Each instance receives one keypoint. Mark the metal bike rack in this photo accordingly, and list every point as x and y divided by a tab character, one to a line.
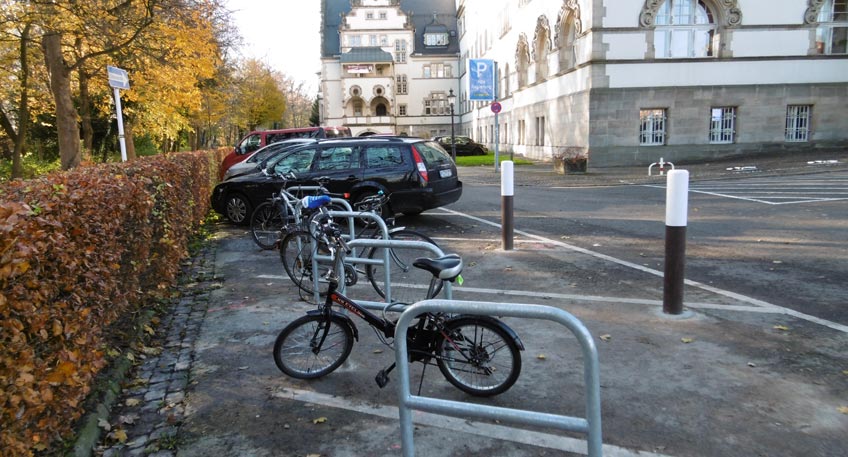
400	244
662	163
383	242
591	425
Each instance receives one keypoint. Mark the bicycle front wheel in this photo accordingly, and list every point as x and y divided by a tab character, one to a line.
408	284
478	356
296	254
266	225
313	346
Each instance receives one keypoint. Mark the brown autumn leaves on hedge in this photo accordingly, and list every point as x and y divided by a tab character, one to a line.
78	251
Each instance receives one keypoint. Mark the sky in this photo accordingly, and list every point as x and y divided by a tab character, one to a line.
284	34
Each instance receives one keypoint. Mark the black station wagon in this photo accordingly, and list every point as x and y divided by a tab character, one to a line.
416	174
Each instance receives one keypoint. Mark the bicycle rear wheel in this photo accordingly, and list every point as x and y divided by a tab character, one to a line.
477	356
296	254
313	346
408	284
266	225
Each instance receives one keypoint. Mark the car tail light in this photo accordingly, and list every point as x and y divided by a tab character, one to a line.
422	168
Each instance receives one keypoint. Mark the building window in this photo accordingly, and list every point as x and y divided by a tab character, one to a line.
832	32
401	110
723	125
436	39
522	54
521	132
684	28
357	108
437	70
355	41
436	104
384	40
383	15
652	128
540	131
400	51
503	21
402	85
369	15
523	2
798	123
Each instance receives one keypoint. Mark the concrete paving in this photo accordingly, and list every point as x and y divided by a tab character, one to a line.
732	377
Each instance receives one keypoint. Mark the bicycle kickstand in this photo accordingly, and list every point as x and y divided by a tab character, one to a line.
382	377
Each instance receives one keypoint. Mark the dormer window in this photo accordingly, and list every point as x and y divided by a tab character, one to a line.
436	34
436	39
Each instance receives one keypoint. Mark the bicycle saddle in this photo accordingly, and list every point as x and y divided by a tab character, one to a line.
446	268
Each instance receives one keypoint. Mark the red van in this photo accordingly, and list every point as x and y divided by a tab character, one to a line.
255	140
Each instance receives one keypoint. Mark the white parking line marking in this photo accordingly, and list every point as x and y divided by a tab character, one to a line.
715	290
502	432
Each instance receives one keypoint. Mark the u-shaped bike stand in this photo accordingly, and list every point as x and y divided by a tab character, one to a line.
591	425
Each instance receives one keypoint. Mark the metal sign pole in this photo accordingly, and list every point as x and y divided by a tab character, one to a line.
121	138
118	79
497	129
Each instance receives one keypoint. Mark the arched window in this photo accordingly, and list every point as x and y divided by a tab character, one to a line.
567	39
522	60
542	47
382	110
684	28
832	30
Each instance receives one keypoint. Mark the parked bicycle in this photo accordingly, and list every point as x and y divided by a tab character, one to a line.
477	354
408	283
280	214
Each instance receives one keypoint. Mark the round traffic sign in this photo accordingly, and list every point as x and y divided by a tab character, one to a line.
496	107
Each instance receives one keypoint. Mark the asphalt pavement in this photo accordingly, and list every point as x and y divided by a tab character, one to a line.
712	382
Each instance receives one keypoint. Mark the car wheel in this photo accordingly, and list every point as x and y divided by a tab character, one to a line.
479	152
238	209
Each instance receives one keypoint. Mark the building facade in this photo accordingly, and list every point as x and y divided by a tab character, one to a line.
388	65
625	82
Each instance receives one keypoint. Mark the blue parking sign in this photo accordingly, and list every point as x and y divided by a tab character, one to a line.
481	80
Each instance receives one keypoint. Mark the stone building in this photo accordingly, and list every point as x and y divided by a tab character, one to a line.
630	81
388	65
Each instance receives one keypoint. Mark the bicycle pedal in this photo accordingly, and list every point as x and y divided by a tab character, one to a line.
382	379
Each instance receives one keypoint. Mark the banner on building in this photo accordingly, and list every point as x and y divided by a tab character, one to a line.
359	68
481	79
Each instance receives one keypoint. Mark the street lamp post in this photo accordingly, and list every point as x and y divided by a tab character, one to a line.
451	101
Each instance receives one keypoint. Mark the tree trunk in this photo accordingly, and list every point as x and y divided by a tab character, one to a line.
85	117
66	115
128	139
23	107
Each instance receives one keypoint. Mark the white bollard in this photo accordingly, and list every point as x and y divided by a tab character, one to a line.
507	194
676	210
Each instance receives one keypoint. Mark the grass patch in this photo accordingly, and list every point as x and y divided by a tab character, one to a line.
488	159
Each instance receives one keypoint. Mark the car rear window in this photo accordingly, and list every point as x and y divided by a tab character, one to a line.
432	153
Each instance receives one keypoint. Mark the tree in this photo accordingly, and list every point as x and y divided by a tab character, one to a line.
15	120
259	100
315	116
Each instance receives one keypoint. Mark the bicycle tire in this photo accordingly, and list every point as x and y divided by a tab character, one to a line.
296	255
266	225
407	281
294	349
489	361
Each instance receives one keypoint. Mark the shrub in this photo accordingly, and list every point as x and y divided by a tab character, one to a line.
80	250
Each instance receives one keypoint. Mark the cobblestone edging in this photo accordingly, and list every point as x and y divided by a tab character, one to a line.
151	405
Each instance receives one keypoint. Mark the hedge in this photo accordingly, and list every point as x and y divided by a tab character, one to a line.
79	251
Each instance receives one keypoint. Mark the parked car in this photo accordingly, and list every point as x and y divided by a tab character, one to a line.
259	159
417	175
465	146
261	138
